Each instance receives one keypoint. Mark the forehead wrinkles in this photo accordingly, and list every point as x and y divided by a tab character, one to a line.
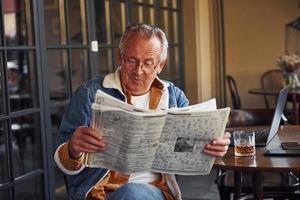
144	47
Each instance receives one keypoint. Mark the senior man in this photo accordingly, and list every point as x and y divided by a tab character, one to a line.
142	55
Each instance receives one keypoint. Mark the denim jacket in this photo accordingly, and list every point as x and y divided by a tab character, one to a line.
78	114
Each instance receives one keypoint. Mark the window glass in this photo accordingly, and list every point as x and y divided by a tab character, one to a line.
80	67
105	58
102	20
55	22
56	117
136	13
26	135
58	74
174	62
142	14
164	22
4	194
77	22
3	155
18	22
30	188
21	76
2	88
168	3
118	15
173	27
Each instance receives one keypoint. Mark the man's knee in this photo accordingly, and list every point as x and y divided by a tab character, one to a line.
135	191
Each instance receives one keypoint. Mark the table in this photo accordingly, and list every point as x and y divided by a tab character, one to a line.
260	163
293	96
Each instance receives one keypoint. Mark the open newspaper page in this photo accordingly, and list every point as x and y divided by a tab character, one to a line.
131	138
183	139
166	141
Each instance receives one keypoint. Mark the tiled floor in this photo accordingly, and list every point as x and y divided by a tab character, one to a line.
199	187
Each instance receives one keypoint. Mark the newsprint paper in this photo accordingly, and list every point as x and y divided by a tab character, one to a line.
169	141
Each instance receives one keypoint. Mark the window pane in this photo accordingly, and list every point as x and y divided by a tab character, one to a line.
105	61
168	3
58	74
150	2
141	14
4	194
77	19
56	117
149	15
136	14
55	22
32	188
3	154
26	134
80	67
118	24
173	27
2	89
21	79
164	21
18	22
174	62
102	19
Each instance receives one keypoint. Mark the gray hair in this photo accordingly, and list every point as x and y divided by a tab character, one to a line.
145	30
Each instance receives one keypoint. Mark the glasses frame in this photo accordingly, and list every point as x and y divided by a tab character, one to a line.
132	66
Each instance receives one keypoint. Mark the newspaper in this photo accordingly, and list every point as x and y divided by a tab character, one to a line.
169	141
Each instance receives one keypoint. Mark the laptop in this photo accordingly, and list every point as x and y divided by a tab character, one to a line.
264	137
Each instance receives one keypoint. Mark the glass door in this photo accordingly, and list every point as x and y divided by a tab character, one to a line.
22	167
68	64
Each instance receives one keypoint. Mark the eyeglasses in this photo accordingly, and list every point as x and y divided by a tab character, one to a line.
147	66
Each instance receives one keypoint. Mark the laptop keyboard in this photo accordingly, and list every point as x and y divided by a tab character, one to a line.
261	136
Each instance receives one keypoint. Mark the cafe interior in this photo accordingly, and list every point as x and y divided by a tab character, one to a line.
241	52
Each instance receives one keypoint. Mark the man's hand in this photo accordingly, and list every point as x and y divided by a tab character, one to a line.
219	146
85	140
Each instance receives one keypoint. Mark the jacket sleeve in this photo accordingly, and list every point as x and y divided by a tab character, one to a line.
177	97
77	114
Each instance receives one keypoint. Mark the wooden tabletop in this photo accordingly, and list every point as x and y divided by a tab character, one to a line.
272	91
260	162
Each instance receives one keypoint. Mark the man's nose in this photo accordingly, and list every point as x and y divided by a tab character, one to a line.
139	68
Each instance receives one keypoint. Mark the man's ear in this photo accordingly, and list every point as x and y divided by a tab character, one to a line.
161	66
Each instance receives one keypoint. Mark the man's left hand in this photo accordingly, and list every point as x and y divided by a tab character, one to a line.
219	146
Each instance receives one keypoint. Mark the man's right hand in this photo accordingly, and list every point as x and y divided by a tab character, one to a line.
85	140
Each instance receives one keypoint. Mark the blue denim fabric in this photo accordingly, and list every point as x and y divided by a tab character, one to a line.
78	114
136	191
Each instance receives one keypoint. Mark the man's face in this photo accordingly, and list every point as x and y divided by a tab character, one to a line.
140	61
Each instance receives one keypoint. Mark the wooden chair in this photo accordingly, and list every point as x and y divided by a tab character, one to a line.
235	97
271	79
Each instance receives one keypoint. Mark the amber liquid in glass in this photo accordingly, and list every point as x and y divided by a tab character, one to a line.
244	150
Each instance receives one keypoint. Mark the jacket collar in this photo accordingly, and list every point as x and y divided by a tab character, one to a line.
113	80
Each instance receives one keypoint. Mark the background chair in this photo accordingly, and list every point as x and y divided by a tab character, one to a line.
271	79
235	97
273	182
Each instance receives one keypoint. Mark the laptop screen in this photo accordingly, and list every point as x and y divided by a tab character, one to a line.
278	112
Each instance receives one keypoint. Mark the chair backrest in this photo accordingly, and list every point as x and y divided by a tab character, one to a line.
271	79
235	97
250	117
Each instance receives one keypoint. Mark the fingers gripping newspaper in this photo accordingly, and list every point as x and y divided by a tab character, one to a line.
170	141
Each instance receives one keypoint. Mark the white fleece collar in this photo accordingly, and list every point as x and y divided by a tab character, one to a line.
113	80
